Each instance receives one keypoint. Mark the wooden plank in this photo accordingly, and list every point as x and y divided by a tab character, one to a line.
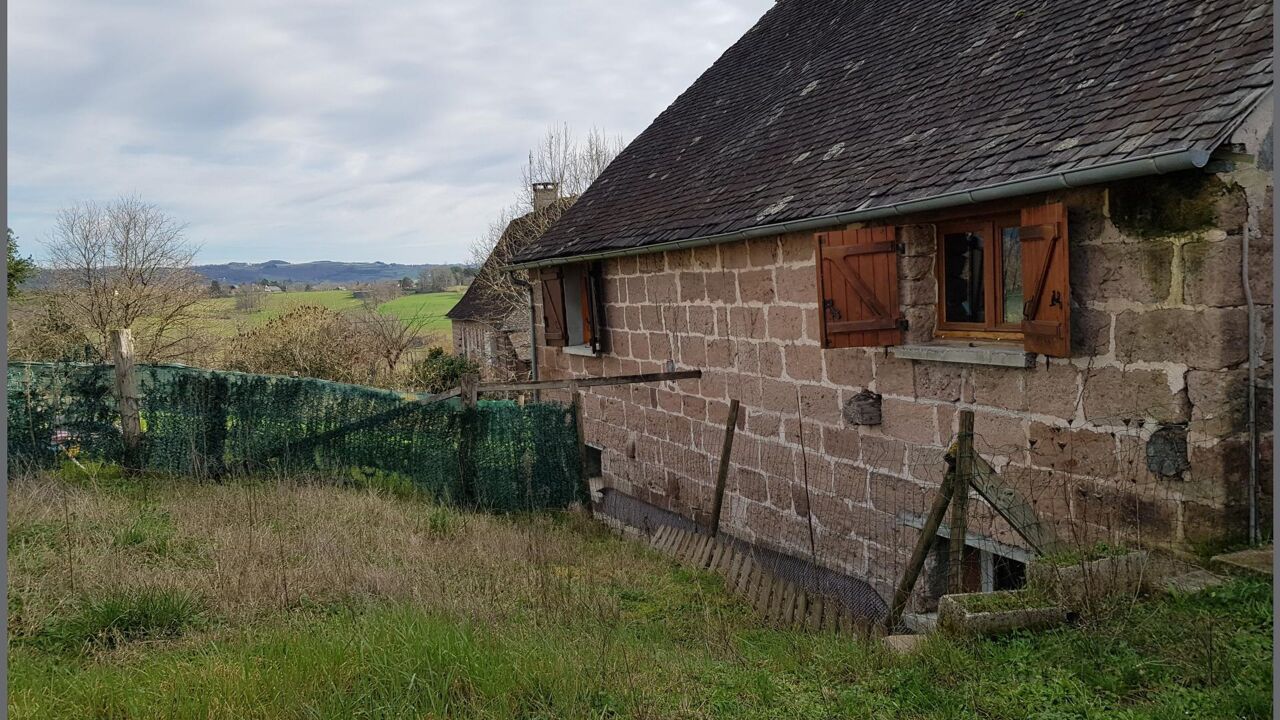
1013	508
789	604
960	502
765	584
815	613
802	608
590	381
741	584
655	540
775	599
722	473
921	552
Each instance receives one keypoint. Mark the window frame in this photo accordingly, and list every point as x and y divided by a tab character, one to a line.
990	226
584	283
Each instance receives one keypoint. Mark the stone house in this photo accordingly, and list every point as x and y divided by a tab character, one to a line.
488	324
1043	215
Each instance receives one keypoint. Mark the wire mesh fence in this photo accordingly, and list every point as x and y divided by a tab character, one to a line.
497	455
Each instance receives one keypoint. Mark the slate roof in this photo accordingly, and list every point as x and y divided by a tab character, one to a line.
830	106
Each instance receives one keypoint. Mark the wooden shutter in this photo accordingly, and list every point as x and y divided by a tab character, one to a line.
553	307
1046	281
858	278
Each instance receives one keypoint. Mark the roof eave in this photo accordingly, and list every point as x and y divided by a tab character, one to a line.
1156	164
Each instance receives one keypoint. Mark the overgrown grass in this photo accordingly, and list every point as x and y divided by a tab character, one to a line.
305	600
220	316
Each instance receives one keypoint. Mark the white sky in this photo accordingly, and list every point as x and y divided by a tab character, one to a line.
388	130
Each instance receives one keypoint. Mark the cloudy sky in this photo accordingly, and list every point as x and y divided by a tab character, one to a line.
388	130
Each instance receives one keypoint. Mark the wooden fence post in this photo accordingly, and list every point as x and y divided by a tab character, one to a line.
722	474
960	502
921	552
126	392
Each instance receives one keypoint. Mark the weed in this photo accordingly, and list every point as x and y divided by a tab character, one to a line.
120	616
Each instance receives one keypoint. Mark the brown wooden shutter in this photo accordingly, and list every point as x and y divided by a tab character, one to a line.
1046	281
553	307
858	277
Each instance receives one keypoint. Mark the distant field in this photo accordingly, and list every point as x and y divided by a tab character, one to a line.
222	317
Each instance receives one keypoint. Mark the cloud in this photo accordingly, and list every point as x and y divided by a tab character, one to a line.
379	130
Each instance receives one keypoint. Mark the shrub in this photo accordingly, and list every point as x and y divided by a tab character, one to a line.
440	371
309	341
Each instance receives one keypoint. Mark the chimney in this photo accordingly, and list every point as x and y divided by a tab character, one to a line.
544	194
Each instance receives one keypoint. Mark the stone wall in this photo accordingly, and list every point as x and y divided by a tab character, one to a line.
1159	351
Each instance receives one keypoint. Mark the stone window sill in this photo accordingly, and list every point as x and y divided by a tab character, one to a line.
583	350
968	353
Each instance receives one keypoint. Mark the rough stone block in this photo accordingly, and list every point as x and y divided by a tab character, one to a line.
803	362
1139	271
1219	401
841	442
938	381
734	255
1211	271
1090	331
1114	397
798	248
1051	391
894	376
848	367
785	323
1076	451
884	454
763	252
797	285
693	286
910	421
1205	339
756	286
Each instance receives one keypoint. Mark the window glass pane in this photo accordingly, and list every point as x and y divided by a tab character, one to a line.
962	262
1011	262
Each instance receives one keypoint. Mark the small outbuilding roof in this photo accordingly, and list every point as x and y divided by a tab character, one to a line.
828	107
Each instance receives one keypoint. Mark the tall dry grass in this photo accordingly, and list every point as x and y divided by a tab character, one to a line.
251	551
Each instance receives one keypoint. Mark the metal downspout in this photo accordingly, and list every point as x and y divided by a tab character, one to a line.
1254	534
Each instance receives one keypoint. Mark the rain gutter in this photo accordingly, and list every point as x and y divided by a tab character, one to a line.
1157	164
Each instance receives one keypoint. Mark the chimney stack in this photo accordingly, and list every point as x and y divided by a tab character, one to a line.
544	194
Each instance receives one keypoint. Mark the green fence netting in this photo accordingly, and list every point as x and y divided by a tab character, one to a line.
211	424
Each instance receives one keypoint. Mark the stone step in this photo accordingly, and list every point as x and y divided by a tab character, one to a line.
903	644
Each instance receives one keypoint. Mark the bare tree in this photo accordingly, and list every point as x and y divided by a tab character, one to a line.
126	264
558	158
389	337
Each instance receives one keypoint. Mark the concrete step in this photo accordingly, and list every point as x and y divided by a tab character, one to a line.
1192	582
903	644
920	623
1254	562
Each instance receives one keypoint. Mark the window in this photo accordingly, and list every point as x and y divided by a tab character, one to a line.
999	277
980	278
573	306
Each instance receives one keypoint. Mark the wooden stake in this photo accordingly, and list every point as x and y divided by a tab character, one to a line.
722	475
960	502
126	391
921	552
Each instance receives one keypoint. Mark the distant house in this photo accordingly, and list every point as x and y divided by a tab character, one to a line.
271	289
867	217
489	327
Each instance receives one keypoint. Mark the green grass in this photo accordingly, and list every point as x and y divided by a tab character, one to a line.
223	319
382	605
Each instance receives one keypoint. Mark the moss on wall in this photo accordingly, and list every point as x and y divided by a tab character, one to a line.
1168	204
